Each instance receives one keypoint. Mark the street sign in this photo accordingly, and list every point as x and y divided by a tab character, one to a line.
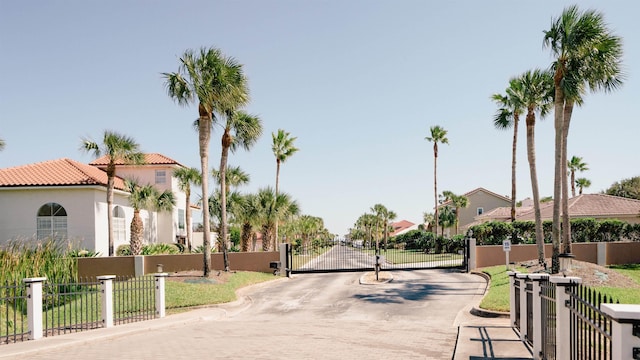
506	245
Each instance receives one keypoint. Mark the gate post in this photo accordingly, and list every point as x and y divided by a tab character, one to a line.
625	339
523	305
512	298
106	285
285	249
471	251
563	314
34	306
536	337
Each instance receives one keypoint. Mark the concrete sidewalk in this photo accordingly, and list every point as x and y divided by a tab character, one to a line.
490	338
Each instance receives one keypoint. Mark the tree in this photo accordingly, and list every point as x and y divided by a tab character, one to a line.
234	176
508	116
447	217
186	177
628	188
459	202
428	218
118	149
535	90
384	215
240	130
582	183
575	164
587	55
246	213
216	83
272	208
2	144
283	148
149	198
438	135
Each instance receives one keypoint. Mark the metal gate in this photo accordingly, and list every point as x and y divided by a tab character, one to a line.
344	256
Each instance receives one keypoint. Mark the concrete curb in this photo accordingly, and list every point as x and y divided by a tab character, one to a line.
477	311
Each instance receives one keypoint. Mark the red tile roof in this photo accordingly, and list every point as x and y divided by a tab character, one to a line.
399	226
591	205
60	172
149	159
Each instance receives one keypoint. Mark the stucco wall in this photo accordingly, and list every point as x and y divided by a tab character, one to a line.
479	199
125	265
616	253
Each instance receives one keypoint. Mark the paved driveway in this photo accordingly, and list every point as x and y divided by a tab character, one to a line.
310	316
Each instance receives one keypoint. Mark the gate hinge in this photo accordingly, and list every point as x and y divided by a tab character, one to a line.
636	353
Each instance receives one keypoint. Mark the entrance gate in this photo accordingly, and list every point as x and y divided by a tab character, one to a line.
344	256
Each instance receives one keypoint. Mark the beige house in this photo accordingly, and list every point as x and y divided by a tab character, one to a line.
481	201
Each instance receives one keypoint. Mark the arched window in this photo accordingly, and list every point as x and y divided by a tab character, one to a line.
52	222
119	226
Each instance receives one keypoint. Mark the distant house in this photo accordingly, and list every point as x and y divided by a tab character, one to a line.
481	201
401	227
64	198
598	206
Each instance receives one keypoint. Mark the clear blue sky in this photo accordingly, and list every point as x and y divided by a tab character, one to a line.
358	82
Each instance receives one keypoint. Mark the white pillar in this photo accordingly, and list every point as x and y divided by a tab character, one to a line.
623	342
34	306
160	298
537	313
106	282
602	253
563	315
523	305
512	297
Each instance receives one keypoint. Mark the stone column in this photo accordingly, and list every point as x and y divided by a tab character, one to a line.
34	306
563	315
625	329
537	313
106	283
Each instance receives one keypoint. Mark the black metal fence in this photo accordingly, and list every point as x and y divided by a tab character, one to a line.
134	299
13	310
528	290
548	323
71	307
590	327
516	285
363	256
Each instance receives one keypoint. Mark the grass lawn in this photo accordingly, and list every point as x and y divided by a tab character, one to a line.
497	296
180	295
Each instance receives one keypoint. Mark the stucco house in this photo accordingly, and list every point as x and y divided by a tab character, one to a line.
481	201
64	198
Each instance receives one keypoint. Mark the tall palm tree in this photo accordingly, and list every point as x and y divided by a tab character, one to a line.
186	177
459	202
240	130
447	218
273	208
215	83
535	90
145	197
283	148
438	135
587	55
246	213
582	183
508	116
118	149
575	164
234	177
215	209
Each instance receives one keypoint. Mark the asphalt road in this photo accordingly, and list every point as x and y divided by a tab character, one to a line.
310	316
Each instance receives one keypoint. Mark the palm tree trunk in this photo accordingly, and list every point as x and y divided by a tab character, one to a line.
277	189
531	156
204	136
573	183
513	168
566	224
435	186
246	237
110	185
557	187
226	143
137	229
187	212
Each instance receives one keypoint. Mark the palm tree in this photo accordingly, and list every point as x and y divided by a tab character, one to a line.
186	177
216	83
587	55
583	183
438	135
283	148
575	164
427	218
240	130
2	144
365	224
273	208
447	218
145	197
246	213
459	202
118	149
215	209
234	176
309	227
508	116
385	216
535	89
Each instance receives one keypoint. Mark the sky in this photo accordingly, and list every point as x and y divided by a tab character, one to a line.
358	82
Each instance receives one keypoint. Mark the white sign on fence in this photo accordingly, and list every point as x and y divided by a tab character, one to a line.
506	246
